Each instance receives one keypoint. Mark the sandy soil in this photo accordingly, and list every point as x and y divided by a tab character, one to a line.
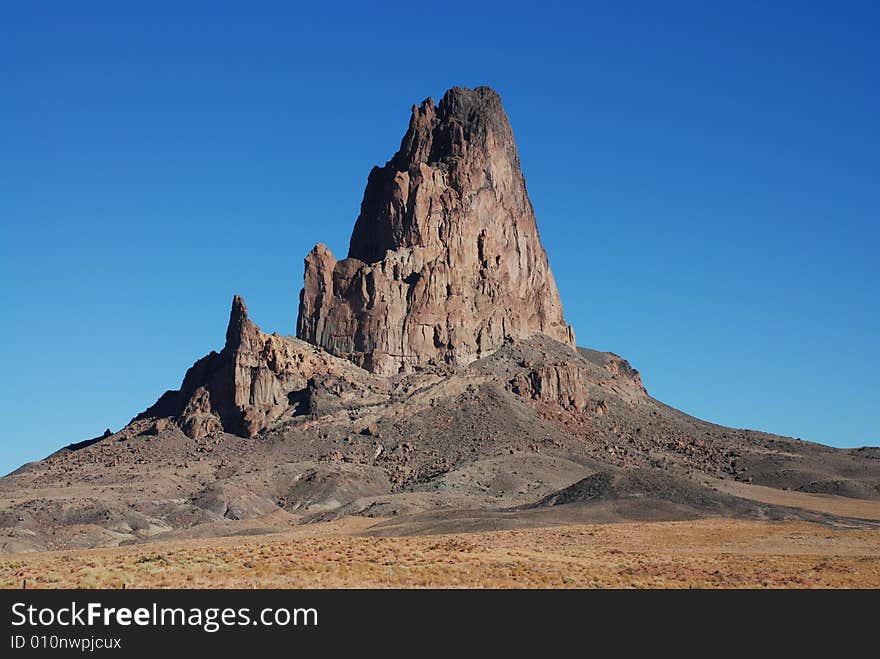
708	553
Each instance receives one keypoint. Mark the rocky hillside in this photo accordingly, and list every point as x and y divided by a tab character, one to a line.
434	384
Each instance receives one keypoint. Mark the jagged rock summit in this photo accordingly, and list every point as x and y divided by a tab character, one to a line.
445	261
445	266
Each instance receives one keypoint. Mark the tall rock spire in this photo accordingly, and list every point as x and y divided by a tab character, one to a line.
242	389
445	260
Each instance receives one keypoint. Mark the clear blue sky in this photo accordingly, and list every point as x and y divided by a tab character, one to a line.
706	178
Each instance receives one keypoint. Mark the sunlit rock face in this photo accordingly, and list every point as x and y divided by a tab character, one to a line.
445	261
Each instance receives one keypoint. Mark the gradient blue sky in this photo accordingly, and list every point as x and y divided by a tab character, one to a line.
706	178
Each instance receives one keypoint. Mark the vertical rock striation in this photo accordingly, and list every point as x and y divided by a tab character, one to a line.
256	381
240	390
445	260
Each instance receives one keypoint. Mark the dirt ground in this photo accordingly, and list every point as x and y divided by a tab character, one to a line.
709	553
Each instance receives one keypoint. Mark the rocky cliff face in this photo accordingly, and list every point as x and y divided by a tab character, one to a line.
445	260
445	266
255	382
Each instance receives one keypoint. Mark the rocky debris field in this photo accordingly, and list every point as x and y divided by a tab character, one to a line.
496	436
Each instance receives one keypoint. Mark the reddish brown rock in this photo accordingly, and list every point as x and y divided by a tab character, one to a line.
256	381
621	371
445	261
563	384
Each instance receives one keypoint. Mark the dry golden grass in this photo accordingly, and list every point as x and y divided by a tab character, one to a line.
706	554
